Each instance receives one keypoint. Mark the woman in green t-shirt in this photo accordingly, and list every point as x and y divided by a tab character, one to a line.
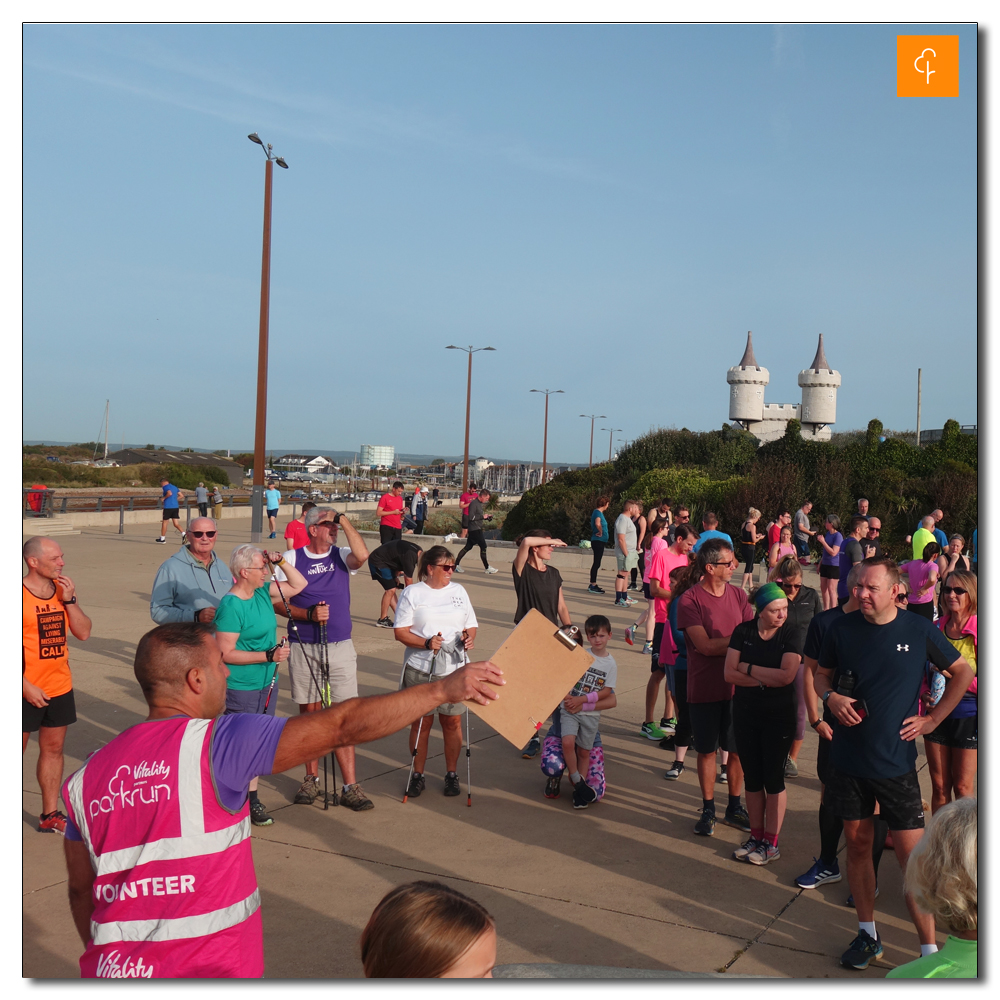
248	637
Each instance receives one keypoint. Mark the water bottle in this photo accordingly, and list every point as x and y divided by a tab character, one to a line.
937	686
845	685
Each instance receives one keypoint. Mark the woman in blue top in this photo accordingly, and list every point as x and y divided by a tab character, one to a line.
829	565
598	539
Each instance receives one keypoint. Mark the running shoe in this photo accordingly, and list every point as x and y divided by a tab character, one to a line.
458	569
184	535
647	648
161	541
273	534
416	786
861	951
384	622
676	770
630	634
705	827
651	731
552	786
531	749
723	776
583	795
764	852
791	768
668	743
594	589
747	847
54	822
308	791
737	818
352	797
819	873
451	785
258	814
630	601
634	586
490	570
668	725
850	899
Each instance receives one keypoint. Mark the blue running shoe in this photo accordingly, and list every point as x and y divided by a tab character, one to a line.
819	873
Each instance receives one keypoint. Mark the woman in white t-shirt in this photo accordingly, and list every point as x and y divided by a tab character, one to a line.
437	625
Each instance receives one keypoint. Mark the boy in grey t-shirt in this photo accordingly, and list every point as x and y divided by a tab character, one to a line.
580	712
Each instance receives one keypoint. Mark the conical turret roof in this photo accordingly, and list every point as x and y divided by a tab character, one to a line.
819	362
749	361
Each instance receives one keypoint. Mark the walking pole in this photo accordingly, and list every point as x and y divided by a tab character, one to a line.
291	625
468	755
327	701
413	759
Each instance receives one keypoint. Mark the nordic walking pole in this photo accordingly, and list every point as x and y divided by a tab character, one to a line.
291	624
327	701
468	747
413	759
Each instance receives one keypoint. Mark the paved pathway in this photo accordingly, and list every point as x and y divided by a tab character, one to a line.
624	883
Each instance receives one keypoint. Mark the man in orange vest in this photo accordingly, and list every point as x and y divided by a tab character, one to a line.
49	611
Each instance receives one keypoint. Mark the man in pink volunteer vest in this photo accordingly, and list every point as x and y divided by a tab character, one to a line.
161	876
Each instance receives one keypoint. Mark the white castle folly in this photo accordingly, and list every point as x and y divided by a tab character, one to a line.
767	421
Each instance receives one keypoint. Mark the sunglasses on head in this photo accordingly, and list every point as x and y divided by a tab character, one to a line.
958	591
202	534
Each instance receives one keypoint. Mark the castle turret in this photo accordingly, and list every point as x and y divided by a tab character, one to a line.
819	384
747	381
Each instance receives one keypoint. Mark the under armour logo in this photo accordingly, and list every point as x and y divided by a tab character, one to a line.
927	63
902	648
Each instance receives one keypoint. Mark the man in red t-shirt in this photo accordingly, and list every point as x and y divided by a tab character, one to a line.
774	531
707	614
296	536
463	505
390	514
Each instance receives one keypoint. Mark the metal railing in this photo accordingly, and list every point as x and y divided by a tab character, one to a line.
44	502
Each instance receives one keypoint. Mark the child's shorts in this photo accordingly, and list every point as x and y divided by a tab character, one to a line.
582	725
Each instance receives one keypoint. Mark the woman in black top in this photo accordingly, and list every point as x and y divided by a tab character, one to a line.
748	545
804	604
762	664
538	586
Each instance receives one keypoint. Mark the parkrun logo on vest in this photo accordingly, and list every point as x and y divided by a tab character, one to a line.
131	788
108	967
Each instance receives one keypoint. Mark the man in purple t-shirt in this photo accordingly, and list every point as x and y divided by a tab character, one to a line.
325	601
707	614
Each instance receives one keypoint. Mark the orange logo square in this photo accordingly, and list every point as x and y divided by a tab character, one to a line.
927	65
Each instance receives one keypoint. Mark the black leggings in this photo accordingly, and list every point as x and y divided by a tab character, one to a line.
749	555
763	740
925	610
598	548
475	537
682	738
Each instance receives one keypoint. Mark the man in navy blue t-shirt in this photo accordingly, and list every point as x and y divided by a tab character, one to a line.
873	752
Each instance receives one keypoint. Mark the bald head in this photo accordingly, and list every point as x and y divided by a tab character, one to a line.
166	654
43	557
927	522
34	546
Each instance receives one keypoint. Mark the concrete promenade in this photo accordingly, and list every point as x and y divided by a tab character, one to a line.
624	883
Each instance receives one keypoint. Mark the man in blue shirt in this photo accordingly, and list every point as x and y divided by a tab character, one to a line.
880	654
709	529
272	499
172	498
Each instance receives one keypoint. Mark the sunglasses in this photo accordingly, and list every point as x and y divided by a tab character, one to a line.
789	586
903	599
202	534
447	567
958	591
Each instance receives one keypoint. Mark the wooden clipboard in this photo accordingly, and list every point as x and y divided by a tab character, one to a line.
540	669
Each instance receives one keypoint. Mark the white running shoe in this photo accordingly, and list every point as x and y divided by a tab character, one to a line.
458	569
491	569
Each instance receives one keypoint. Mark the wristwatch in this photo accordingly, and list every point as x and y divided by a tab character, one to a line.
336	517
826	696
72	600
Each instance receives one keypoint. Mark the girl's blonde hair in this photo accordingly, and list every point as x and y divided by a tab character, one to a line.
942	870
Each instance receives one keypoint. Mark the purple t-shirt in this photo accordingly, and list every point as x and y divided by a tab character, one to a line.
327	579
833	540
243	746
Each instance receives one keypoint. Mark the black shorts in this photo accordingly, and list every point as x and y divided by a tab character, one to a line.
384	575
829	572
655	666
959	734
925	610
712	726
899	799
646	593
387	534
272	511
171	513
465	520
60	711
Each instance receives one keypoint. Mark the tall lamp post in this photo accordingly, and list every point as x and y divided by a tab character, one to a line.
592	417
545	436
257	495
611	437
470	350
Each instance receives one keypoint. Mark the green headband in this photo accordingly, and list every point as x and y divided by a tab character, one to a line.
767	593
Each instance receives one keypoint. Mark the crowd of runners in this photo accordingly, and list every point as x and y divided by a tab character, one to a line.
884	654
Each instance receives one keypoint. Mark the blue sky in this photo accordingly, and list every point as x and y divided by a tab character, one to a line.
611	207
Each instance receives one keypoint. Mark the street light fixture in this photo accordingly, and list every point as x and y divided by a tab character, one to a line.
592	417
545	436
260	430
611	438
470	350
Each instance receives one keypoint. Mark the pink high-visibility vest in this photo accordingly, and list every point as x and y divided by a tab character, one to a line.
175	894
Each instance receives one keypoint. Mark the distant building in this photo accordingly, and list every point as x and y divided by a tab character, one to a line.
195	459
767	421
481	465
377	456
318	465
